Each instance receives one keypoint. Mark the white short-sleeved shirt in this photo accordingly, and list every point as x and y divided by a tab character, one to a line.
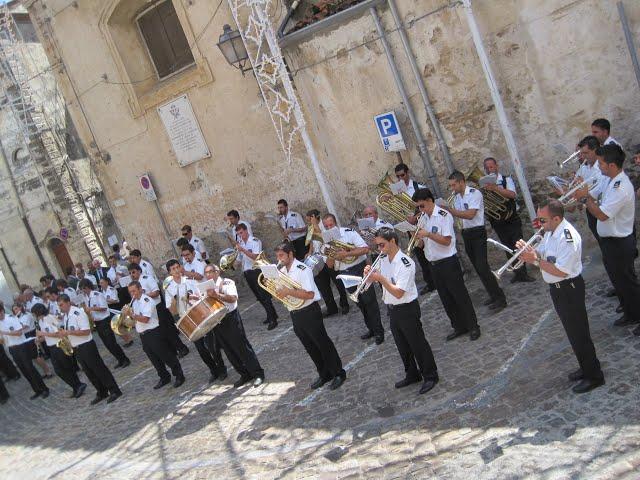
76	319
597	181
112	275
53	307
563	248
181	291
145	306
401	271
147	269
471	200
73	295
34	301
610	140
50	324
98	299
28	321
511	185
292	220
232	230
199	246
111	295
411	187
150	285
349	235
12	324
303	275
440	222
253	245
198	266
226	286
618	203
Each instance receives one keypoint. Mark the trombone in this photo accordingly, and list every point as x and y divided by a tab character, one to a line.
514	263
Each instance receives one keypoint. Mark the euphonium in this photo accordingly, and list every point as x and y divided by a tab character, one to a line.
331	248
495	205
64	344
122	323
397	206
227	261
272	285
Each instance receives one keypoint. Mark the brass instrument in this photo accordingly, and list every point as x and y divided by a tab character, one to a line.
272	285
399	207
414	236
514	263
311	235
85	307
364	283
64	344
495	205
228	260
122	323
331	248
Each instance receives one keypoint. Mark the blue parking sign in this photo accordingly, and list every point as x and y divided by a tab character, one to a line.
389	132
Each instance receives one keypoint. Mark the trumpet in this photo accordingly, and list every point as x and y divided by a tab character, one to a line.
569	159
331	248
567	198
414	236
364	284
272	285
85	307
514	263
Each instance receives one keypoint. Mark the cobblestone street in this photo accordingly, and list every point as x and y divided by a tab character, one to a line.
503	407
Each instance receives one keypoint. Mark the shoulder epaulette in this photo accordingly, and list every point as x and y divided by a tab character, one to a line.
406	262
146	299
567	235
616	184
76	312
302	266
348	230
442	212
471	190
293	214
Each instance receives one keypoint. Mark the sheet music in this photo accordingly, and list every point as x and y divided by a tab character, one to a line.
270	271
364	223
206	285
491	179
331	234
350	280
405	227
125	281
441	202
398	187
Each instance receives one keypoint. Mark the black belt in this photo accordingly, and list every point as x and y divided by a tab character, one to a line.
471	229
616	238
148	330
300	310
436	262
400	306
565	283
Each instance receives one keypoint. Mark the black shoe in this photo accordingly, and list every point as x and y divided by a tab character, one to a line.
44	394
344	310
128	344
405	382
587	385
619	309
426	289
124	364
575	376
366	336
329	313
161	383
427	385
318	383
258	381
611	293
183	352
474	334
178	381
221	376
455	334
488	301
379	339
241	381
266	321
337	382
35	395
80	390
114	396
47	376
98	399
13	379
272	325
623	321
498	305
212	378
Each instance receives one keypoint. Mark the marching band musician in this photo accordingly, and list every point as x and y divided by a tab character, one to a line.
21	349
176	297
325	276
469	206
145	267
112	272
63	287
601	129
113	300
98	307
230	332
440	249
62	364
559	258
150	288
616	215
31	299
75	326
508	231
154	341
25	317
233	217
372	212
197	243
7	367
80	274
589	170
193	267
51	295
400	295
249	247
307	320
183	242
293	228
367	302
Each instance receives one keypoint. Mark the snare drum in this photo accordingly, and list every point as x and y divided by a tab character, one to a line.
315	262
201	318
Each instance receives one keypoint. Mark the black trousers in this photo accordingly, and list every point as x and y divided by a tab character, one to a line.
261	294
323	282
103	327
64	367
169	329
568	300
95	369
160	352
509	233
4	393
6	365
309	328
475	244
209	350
23	355
618	255
425	267
367	302
447	275
593	225
413	347
233	340
300	247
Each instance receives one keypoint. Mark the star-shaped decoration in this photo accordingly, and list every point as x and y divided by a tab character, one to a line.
282	107
255	31
269	69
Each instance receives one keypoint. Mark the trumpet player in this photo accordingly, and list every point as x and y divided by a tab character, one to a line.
469	206
193	267
135	256
589	170
367	302
75	326
293	228
62	364
196	242
400	295
308	324
440	249
558	256
233	217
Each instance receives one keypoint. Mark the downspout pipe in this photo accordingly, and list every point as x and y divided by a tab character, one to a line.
629	38
286	19
516	164
422	147
435	123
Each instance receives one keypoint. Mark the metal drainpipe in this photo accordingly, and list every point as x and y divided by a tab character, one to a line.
629	38
435	124
500	110
422	147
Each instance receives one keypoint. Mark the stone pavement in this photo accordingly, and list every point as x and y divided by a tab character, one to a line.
503	407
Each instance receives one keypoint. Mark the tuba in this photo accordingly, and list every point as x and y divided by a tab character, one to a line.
399	207
331	248
122	323
272	285
495	205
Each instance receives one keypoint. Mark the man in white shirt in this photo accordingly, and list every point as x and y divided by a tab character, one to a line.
147	269
197	243
601	129
80	274
616	216
293	228
589	170
31	299
233	217
193	267
559	258
183	242
63	287
469	206
249	248
396	275
436	228
308	324
367	301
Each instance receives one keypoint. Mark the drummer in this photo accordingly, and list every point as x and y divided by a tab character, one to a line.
179	294
323	274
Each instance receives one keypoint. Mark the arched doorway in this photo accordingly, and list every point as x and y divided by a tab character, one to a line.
59	250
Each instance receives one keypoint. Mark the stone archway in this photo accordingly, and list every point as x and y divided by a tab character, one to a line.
61	254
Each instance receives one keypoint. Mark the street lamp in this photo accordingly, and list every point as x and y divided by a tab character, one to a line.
232	48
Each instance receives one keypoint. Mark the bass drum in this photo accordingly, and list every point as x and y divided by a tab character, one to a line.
201	318
315	262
